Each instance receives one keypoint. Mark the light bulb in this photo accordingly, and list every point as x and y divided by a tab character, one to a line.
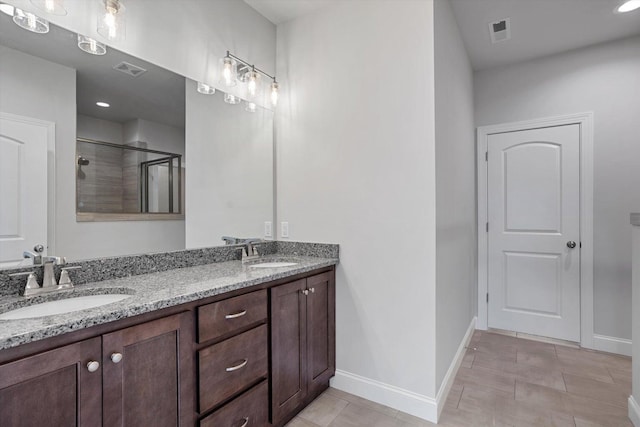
252	83
205	89
628	6
54	7
111	22
231	99
275	87
30	22
229	73
250	107
91	46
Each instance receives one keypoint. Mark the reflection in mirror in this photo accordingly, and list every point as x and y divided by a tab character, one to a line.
49	93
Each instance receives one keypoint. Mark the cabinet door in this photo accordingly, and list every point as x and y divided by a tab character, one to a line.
288	348
152	383
321	321
53	388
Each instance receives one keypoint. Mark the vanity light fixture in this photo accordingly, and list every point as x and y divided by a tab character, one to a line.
7	9
91	46
628	6
111	23
30	22
250	107
54	7
205	89
232	99
234	68
103	104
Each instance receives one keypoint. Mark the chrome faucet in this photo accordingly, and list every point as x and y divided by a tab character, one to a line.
49	278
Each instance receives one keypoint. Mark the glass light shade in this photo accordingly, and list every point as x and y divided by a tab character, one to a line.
275	88
7	9
205	89
111	22
250	107
232	99
253	83
628	6
91	46
54	7
228	71
30	22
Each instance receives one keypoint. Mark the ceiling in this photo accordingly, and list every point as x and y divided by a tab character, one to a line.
157	95
538	27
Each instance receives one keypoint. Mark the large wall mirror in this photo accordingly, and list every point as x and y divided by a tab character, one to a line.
160	163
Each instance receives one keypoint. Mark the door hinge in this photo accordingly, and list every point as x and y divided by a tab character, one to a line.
486	156
487	297
487	227
581	244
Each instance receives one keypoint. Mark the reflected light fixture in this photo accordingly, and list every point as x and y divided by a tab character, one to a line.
111	23
234	68
250	107
232	99
30	22
103	104
628	6
91	46
7	9
205	89
54	7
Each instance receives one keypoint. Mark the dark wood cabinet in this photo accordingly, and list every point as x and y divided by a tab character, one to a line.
147	374
302	343
54	388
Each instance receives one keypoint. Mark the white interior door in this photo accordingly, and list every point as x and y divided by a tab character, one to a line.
533	198
23	187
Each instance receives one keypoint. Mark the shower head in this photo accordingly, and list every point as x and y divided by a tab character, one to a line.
83	161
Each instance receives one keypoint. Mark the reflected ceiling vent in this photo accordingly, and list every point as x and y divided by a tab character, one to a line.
500	30
130	69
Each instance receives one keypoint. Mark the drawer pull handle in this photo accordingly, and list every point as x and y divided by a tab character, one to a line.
238	366
236	315
246	421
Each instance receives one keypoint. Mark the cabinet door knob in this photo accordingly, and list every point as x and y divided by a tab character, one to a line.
236	315
93	366
246	421
313	290
238	366
116	357
304	292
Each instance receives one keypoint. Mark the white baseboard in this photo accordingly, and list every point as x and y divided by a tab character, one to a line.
634	411
447	382
403	400
612	344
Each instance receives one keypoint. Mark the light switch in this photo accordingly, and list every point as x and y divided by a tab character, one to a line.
284	229
267	229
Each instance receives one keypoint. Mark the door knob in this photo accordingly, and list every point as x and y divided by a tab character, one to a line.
571	244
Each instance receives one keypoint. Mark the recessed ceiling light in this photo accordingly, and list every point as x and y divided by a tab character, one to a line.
628	6
7	8
102	104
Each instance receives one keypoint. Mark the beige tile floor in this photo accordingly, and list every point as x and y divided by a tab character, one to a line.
504	381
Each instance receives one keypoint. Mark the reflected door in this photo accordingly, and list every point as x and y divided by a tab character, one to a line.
23	186
534	231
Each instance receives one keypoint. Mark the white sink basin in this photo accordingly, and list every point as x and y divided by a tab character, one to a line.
62	306
273	264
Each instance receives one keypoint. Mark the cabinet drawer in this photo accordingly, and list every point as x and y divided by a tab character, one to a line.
231	366
248	410
224	317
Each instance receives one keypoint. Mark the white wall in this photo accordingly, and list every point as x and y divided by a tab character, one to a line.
99	129
456	238
231	150
604	79
187	37
634	401
355	165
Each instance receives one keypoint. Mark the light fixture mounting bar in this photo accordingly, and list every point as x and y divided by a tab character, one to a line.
253	67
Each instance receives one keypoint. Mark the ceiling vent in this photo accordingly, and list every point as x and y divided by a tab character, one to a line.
500	30
130	69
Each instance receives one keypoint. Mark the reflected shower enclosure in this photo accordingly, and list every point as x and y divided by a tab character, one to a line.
127	179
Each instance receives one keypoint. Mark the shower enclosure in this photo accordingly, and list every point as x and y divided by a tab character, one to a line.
126	180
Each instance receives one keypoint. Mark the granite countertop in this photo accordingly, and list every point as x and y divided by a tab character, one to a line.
148	292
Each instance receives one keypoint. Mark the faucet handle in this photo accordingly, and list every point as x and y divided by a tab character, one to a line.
32	283
65	281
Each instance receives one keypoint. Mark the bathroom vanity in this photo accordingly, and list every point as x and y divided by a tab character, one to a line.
210	345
